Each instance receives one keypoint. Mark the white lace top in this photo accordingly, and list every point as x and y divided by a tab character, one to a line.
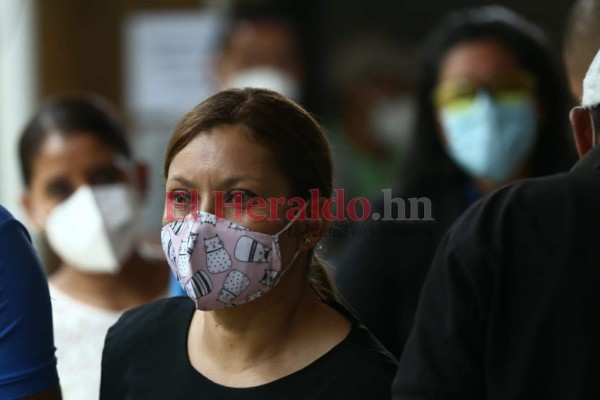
79	331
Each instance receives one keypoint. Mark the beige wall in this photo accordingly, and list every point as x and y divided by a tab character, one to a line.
80	43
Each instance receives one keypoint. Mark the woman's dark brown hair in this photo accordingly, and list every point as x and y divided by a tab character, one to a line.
292	135
69	115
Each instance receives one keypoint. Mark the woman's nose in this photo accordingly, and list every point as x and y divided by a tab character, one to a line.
206	202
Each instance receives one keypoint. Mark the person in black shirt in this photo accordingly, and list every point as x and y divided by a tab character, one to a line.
264	322
511	306
143	363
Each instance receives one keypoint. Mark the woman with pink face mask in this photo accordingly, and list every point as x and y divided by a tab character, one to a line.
82	192
261	318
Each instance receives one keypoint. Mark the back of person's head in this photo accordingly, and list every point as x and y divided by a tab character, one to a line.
70	115
585	119
291	134
428	162
582	41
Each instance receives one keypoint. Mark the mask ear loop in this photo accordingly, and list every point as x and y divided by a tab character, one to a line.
297	253
291	221
286	269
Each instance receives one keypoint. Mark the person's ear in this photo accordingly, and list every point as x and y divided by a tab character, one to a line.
32	216
315	227
583	131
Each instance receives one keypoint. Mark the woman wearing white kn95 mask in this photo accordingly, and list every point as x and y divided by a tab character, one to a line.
83	193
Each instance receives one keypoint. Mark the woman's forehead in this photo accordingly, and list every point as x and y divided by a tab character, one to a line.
228	149
477	59
73	154
58	143
225	159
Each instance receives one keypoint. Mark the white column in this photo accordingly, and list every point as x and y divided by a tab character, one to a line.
18	91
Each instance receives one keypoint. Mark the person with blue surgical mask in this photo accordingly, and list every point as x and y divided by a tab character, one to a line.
491	106
489	123
510	308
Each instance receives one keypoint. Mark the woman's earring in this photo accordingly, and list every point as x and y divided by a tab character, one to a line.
306	241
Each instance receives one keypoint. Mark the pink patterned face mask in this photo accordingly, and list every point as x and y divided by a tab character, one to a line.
220	263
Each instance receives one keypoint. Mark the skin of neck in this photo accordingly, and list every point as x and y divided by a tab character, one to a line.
258	330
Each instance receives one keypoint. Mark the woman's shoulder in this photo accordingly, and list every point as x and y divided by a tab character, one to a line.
143	341
359	367
158	319
361	348
162	310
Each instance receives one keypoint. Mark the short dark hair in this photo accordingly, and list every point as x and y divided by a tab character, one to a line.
70	115
428	163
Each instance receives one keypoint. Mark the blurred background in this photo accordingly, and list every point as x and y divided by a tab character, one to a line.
352	63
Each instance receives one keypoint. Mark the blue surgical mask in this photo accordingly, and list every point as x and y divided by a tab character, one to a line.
490	139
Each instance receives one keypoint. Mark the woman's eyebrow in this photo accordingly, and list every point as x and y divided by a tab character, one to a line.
233	180
109	166
230	181
182	180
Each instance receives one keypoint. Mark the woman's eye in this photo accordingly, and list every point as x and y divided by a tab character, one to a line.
181	198
106	175
242	196
59	190
178	204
